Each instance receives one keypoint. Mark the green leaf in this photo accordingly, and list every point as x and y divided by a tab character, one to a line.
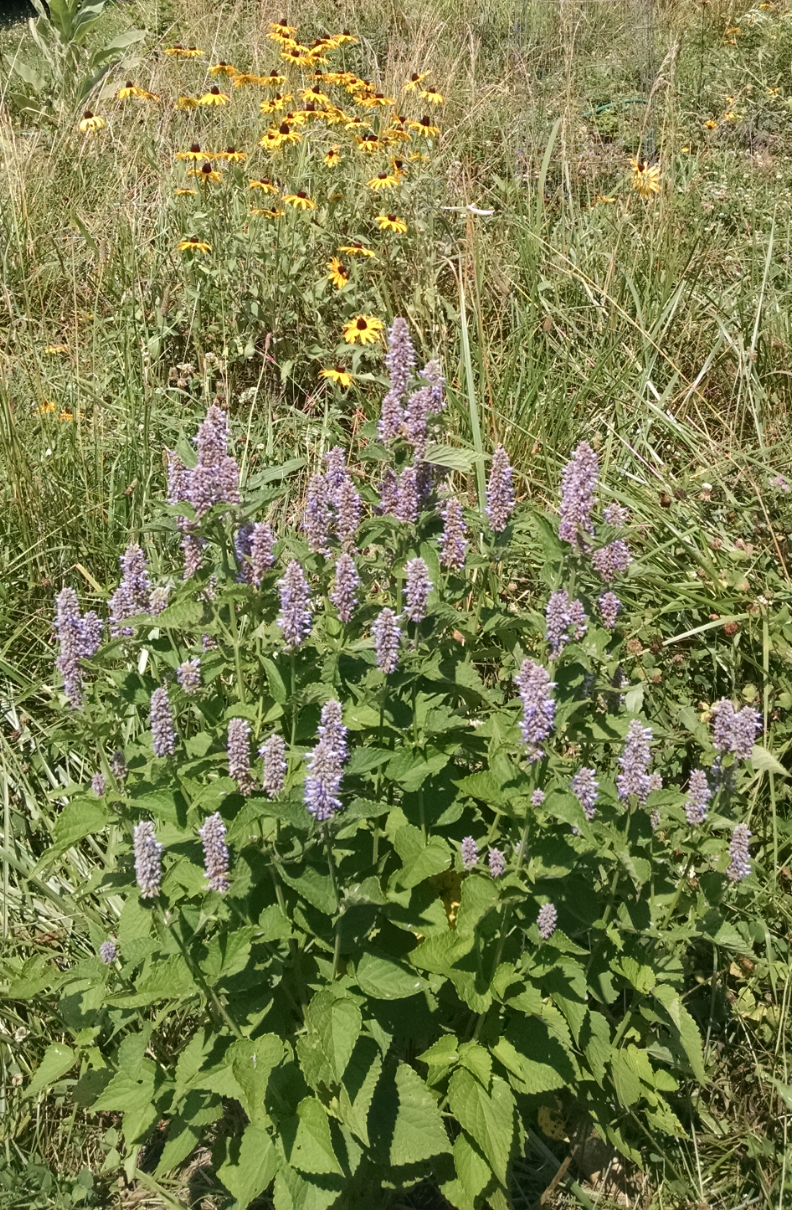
183	615
473	1057
419	1131
338	1023
420	859
134	1098
57	1060
685	1028
182	1138
277	686
478	896
77	820
763	759
442	1053
168	979
357	1089
252	1061
625	1080
274	924
472	1170
315	888
640	976
452	457
382	977
487	1118
252	1168
534	1055
313	1151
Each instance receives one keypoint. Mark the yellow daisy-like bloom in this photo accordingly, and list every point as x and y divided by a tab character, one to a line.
184	52
311	111
432	96
222	69
368	142
205	173
193	153
396	134
355	124
281	29
275	104
133	90
731	116
90	123
273	79
244	77
292	54
232	155
710	124
187	103
295	117
333	115
271	140
389	222
45	407
191	244
268	214
375	100
424	127
264	184
337	374
286	133
411	85
344	37
56	348
364	328
384	180
332	157
337	273
214	97
185	193
299	200
357	250
315	94
66	415
645	178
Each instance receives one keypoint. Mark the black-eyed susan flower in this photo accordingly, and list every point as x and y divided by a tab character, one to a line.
232	155
45	407
383	180
332	157
424	127
357	250
187	103
91	123
65	415
185	193
338	375
337	273
368	142
364	328
645	177
432	96
390	222
205	173
184	52
133	90
243	78
299	200
192	244
273	79
309	112
344	38
276	103
293	54
333	115
271	140
397	133
415	79
222	69
193	153
214	97
295	117
281	29
710	124
286	133
267	214
315	94
375	100
355	124
264	184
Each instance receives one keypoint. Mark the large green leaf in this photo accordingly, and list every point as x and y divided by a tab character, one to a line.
357	1089
487	1118
252	1061
684	1027
169	979
419	1131
57	1060
250	1167
312	1150
382	977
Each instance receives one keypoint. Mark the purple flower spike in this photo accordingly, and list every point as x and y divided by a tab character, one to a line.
469	853
163	733
735	731
132	595
740	854
453	544
118	765
538	797
158	599
585	788
215	850
239	755
336	472
417	588
348	512
188	675
326	765
316	517
634	761
193	555
148	860
399	360
273	750
547	921
98	785
698	797
407	505
497	863
564	618
612	561
78	637
615	514
108	951
534	684
344	592
295	619
386	634
500	493
578	483
215	479
261	554
609	607
388	492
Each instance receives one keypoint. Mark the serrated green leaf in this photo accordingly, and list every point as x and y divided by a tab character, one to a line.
534	1055
685	1028
385	979
168	979
312	1150
763	759
443	1052
487	1118
56	1061
419	1131
473	1057
625	1080
357	1089
251	1166
78	819
315	888
182	1138
183	615
473	1172
133	1097
337	1023
252	1061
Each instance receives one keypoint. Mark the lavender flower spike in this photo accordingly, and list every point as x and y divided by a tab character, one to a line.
611	561
698	797
188	675
295	618
108	951
634	761
609	607
534	684
386	634
273	750
98	785
326	765
163	733
740	854
547	921
585	788
735	731
469	853
400	360
343	595
316	517
453	544
215	850
78	637
407	505
417	588
388	492
336	473
500	494
578	483
239	755
261	554
497	863
348	512
148	859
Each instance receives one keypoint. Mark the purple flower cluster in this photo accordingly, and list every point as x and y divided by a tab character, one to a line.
423	404
500	493
547	921
388	489
343	594
469	851
407	501
132	595
399	360
79	636
496	862
578	484
158	599
192	549
98	785
386	634
698	797
336	472
316	515
148	859
585	788
611	561
609	606
740	854
213	836
417	588
118	765
453	543
564	619
534	684
214	479
239	755
326	765
295	618
163	733
262	556
188	675
735	731
538	797
634	778
615	514
242	540
108	951
275	765
348	509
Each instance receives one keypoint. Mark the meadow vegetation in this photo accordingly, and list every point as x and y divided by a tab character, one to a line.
582	211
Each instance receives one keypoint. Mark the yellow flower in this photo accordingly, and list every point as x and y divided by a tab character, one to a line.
286	133
213	97
56	348
187	103
222	69
389	222
733	29
276	103
432	96
232	155
357	250
337	374
273	79
267	214
341	38
424	127
271	140
299	200
184	52
368	142
685	151
332	157
355	124
334	115
264	184
132	90
371	100
711	124
281	29
205	173
45	407
315	94
90	123
193	153
65	414
185	193
415	79
363	328
645	177
293	54
396	134
731	116
337	274
191	244
295	117
244	77
383	180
